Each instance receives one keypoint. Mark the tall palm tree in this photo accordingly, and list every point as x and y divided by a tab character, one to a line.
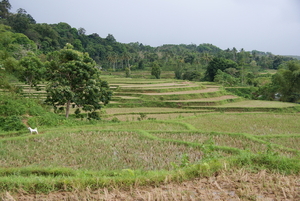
127	56
234	52
206	57
112	57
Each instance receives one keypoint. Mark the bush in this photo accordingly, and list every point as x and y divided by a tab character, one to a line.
12	104
11	123
115	120
155	70
47	119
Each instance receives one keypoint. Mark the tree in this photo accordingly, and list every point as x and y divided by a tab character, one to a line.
206	57
189	58
287	82
110	38
155	70
4	9
218	64
126	55
31	70
225	79
141	65
178	66
234	52
21	21
73	78
127	72
192	75
81	31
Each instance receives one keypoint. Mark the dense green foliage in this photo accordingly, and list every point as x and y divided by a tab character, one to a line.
73	78
31	70
155	70
287	82
218	64
13	107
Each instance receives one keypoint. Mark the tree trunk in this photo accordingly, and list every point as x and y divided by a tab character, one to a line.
68	108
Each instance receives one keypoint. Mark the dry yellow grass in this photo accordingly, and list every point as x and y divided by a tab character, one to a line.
159	85
234	185
142	110
207	90
257	103
206	99
252	123
135	117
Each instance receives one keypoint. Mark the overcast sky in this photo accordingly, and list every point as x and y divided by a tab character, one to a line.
264	25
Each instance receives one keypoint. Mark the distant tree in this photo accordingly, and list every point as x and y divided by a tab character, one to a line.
206	57
218	64
192	75
110	38
4	9
127	72
141	65
189	58
178	67
287	82
126	55
208	48
31	71
73	78
81	31
155	70
225	79
21	21
234	53
78	45
112	57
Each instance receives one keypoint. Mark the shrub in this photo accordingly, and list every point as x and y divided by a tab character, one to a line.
11	123
115	120
48	119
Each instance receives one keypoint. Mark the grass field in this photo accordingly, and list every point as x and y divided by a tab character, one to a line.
149	147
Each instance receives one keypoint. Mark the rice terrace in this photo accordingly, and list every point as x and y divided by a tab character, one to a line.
160	139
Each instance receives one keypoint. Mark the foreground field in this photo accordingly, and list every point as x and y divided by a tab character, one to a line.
160	140
227	185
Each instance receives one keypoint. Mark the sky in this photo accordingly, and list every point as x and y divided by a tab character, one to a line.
263	25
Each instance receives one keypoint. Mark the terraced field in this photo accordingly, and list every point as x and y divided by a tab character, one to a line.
160	140
184	97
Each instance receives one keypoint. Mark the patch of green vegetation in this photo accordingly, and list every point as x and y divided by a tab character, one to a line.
245	92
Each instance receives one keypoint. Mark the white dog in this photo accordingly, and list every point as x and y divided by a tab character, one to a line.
33	130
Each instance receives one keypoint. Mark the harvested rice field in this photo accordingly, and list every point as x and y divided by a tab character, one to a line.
159	140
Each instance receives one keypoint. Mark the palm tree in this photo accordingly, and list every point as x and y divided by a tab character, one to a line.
234	51
206	57
127	56
112	57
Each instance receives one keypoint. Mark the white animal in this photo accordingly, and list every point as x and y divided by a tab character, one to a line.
33	130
